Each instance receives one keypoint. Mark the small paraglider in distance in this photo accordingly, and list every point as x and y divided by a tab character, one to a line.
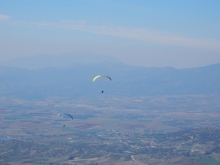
67	115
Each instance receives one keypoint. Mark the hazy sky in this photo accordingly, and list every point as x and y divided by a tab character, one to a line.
178	33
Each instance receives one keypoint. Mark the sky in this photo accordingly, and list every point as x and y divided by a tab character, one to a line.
151	33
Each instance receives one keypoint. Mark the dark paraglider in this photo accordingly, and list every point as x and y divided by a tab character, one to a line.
65	115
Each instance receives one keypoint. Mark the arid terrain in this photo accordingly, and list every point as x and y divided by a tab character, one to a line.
161	130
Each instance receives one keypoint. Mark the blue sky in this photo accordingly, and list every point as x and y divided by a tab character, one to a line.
147	33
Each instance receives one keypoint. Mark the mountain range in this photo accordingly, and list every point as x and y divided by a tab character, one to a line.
74	80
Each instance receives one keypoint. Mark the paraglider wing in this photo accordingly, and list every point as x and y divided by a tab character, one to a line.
69	115
98	76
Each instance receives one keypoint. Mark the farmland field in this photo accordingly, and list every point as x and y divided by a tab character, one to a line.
154	130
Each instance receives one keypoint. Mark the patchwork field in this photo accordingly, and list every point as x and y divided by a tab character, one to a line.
155	130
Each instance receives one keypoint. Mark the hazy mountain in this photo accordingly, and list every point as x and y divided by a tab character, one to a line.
43	61
127	81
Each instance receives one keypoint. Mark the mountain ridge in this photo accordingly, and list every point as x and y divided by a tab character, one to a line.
127	81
